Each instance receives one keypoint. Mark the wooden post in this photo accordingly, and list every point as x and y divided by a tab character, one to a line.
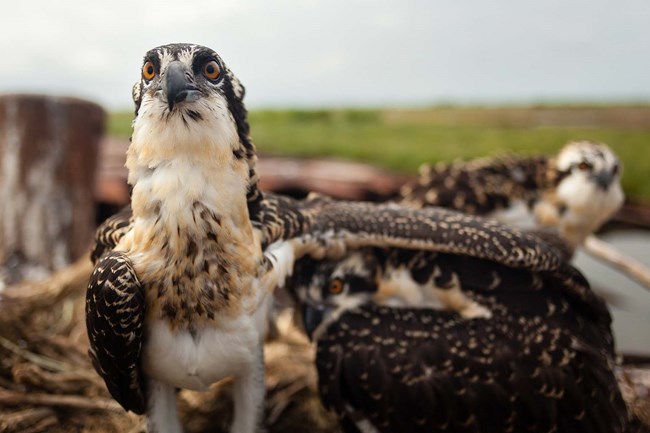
48	155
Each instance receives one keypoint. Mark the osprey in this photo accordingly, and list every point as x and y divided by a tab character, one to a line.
183	278
575	191
542	362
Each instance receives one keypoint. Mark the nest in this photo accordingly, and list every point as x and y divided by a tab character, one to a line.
48	384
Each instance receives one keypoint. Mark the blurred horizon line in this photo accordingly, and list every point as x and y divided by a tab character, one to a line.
565	102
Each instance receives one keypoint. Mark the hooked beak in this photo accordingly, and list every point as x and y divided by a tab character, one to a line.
604	179
312	316
177	86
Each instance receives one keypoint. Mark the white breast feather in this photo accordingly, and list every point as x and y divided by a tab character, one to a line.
587	205
196	361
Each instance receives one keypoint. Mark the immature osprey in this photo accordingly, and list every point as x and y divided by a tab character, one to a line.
542	363
183	279
575	192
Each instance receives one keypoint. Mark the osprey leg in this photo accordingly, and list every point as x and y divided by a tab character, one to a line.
162	414
248	394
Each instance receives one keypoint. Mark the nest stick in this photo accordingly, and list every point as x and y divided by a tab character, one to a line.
14	398
610	255
31	420
39	360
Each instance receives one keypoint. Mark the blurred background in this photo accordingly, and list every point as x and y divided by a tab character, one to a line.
347	97
389	83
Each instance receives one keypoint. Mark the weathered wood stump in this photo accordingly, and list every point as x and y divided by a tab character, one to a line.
48	155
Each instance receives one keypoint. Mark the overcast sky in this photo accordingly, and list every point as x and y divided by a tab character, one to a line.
341	52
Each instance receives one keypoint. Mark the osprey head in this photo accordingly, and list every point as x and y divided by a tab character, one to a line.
323	289
188	104
179	74
187	91
588	184
592	161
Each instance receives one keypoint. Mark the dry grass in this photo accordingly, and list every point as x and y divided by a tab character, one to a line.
48	384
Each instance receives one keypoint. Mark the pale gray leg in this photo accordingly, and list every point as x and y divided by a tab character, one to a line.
248	394
162	415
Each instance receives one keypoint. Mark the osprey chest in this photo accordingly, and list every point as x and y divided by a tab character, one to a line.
195	267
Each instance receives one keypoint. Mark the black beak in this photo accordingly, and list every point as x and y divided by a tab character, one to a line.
604	179
312	316
177	86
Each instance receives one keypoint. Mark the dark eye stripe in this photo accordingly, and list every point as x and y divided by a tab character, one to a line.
361	285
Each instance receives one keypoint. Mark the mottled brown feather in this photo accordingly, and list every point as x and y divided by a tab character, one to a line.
115	311
481	186
542	363
109	233
389	225
420	370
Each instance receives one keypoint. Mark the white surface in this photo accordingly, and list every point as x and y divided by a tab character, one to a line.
630	302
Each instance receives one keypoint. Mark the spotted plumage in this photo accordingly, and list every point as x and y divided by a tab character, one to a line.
110	232
116	354
575	191
543	361
204	248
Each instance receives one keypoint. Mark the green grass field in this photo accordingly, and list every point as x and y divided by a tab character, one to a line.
403	139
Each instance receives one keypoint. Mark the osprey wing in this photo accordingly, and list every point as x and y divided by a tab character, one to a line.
421	370
359	224
115	308
480	186
109	233
283	218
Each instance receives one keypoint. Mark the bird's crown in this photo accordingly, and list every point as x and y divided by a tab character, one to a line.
587	156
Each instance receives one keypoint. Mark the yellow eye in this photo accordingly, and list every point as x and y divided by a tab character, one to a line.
148	71
584	166
211	70
336	286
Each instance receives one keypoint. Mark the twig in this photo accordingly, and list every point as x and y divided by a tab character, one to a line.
610	255
29	420
13	398
26	298
74	382
42	361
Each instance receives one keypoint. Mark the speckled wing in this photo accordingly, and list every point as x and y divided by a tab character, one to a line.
544	293
360	224
109	233
282	218
480	186
417	370
115	309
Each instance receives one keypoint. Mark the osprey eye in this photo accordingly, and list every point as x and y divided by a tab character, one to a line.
336	286
148	71
211	70
616	169
584	166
